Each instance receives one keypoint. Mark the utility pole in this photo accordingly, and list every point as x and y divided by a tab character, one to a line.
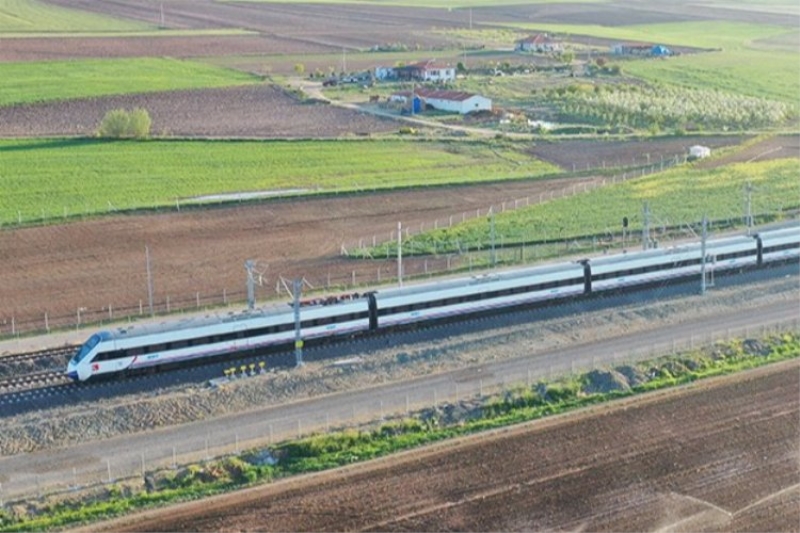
249	265
491	233
149	279
297	287
703	256
400	254
646	228
162	14
748	188
344	60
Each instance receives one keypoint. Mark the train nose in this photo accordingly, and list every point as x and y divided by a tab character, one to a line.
71	373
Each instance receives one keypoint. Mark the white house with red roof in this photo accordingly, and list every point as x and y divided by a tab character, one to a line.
443	100
541	42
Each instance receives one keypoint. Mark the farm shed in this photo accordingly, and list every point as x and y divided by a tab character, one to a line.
632	49
385	73
454	101
541	42
699	152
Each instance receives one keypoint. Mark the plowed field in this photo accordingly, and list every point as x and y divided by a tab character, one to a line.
719	456
264	112
95	264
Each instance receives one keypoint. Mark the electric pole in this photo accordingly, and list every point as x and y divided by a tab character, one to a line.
249	265
748	188
400	253
149	279
703	256
646	228
491	233
297	287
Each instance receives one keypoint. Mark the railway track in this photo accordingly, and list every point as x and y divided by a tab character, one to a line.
62	352
28	375
31	381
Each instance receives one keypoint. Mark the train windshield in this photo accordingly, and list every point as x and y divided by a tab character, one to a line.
86	348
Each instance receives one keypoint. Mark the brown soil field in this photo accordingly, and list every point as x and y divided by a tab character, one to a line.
306	26
99	263
48	49
716	456
261	111
626	153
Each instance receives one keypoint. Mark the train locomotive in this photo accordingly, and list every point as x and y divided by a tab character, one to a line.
135	348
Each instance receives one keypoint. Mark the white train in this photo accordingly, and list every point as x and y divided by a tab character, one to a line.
139	347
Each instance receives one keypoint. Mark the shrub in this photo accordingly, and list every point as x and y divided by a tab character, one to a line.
122	124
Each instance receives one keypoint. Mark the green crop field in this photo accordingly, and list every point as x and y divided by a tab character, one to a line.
25	16
62	80
676	197
51	179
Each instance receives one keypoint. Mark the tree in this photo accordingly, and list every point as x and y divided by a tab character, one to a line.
122	124
567	57
299	68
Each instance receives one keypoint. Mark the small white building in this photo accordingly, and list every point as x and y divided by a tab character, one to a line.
423	71
699	152
541	42
454	101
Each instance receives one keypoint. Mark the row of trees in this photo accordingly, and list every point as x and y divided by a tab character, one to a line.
668	106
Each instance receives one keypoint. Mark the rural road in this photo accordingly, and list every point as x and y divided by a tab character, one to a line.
116	458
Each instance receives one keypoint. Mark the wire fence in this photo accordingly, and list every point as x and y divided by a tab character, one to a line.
347	248
168	451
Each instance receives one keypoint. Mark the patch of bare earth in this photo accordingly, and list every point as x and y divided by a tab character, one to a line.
778	147
716	456
262	111
575	155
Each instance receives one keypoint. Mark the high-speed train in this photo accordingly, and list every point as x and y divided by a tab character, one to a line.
140	347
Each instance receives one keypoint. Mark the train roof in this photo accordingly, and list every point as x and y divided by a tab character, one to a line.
455	283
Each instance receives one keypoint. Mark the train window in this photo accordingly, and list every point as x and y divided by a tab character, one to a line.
86	348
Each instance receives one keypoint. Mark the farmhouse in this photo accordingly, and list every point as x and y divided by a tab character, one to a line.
453	101
429	71
541	42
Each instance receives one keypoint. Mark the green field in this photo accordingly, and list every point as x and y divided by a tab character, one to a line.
62	80
51	179
25	16
441	4
743	64
770	75
676	198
